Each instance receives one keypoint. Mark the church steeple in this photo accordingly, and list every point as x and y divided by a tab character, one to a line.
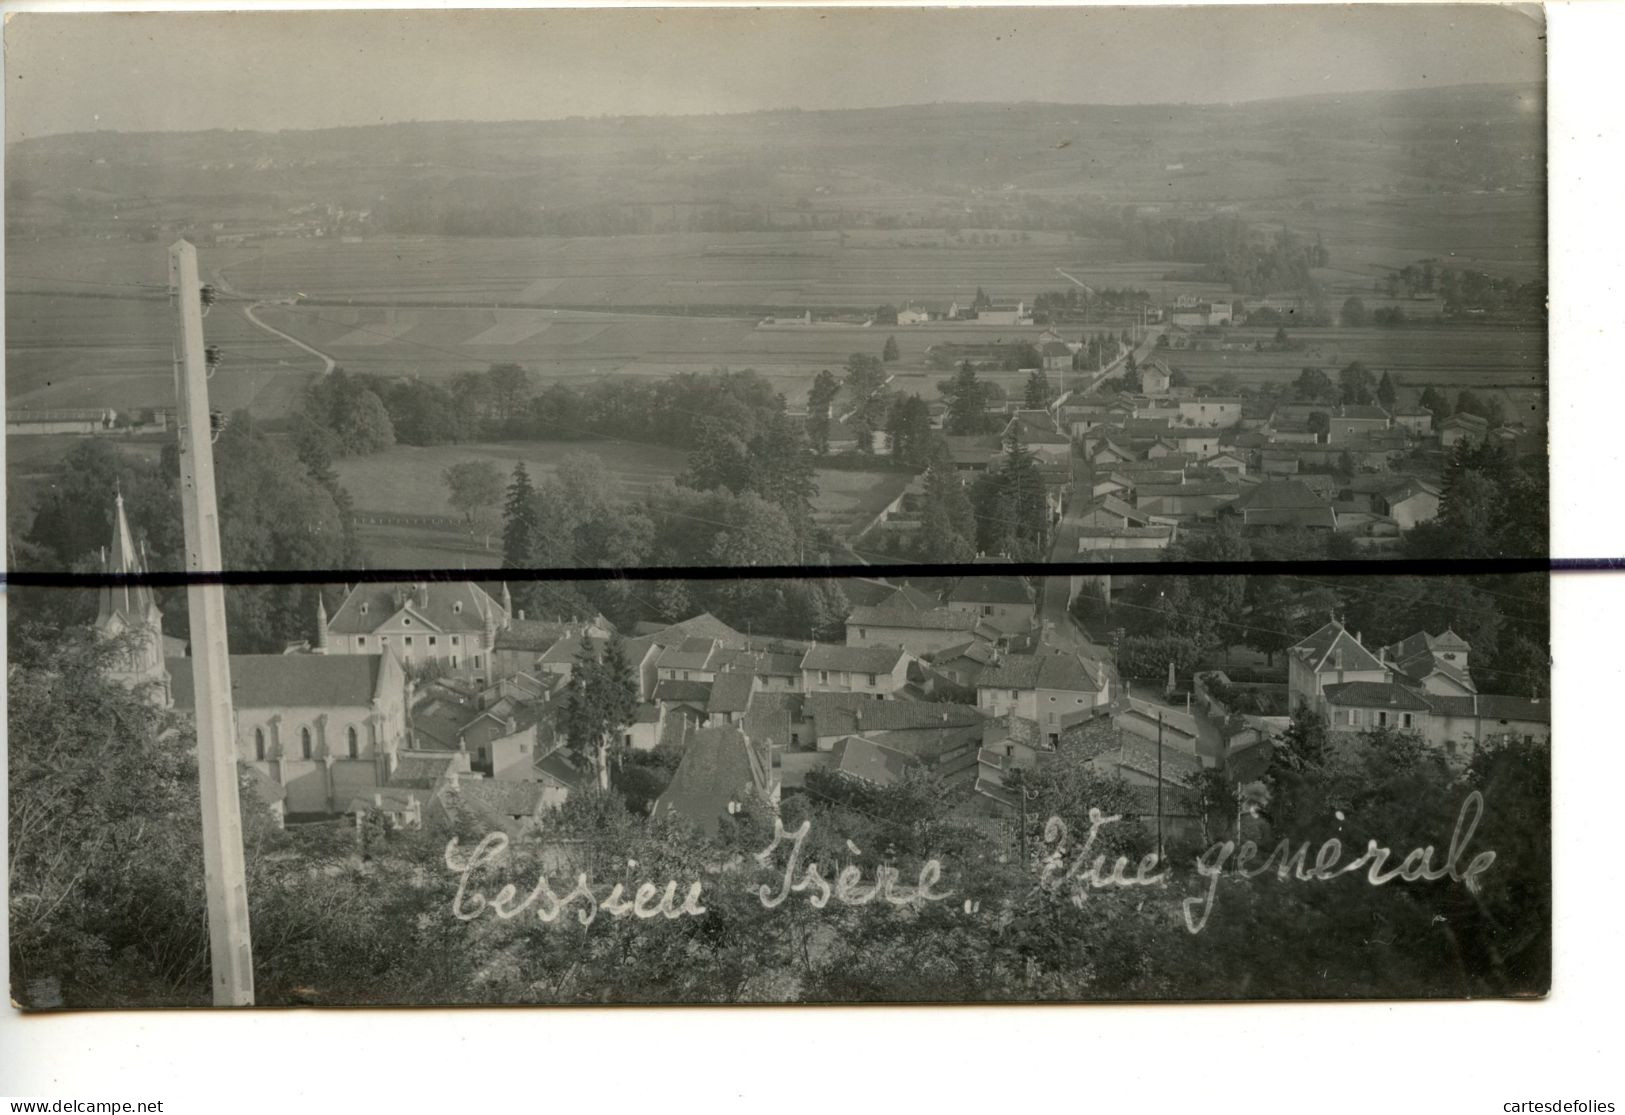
321	623
129	604
131	607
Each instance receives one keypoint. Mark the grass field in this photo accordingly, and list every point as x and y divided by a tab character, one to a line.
1486	358
406	480
572	346
66	350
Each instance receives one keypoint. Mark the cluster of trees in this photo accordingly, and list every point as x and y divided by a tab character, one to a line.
1076	304
1463	290
574	519
1231	251
342	919
1490	409
1355	386
354	415
1493	505
1191	620
280	510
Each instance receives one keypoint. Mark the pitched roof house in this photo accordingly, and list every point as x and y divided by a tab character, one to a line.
721	772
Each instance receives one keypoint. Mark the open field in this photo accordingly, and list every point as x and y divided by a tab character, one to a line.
1492	360
558	345
1445	355
406	480
30	460
65	350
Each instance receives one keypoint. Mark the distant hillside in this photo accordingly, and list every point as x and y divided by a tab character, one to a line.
1013	166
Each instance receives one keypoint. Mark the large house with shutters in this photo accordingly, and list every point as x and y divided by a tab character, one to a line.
452	623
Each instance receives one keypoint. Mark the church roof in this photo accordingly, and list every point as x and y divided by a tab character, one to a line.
289	680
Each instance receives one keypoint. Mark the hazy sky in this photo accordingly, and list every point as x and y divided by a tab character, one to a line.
171	70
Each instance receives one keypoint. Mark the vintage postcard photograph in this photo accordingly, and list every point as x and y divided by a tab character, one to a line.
614	506
794	287
731	791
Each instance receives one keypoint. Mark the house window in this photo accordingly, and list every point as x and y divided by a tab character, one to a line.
457	608
1382	719
685	675
354	740
360	640
1012	694
823	677
987	609
259	743
406	621
363	608
456	640
454	661
431	640
1054	739
1405	719
304	743
476	661
409	640
863	633
873	681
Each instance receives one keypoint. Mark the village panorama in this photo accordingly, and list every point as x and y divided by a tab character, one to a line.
1039	344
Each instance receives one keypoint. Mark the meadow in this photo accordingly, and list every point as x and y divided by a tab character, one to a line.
73	350
406	481
1486	358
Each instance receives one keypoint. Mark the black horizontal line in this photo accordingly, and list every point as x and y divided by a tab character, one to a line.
1424	567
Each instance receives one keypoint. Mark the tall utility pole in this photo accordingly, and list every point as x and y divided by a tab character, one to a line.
230	953
1159	785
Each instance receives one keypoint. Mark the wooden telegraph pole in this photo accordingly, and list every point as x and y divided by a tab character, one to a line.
230	953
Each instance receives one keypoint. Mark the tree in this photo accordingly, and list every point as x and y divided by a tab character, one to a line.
819	399
1319	422
510	383
1433	400
473	486
600	700
521	527
909	425
1012	508
1038	392
721	459
1353	314
1313	386
1387	394
890	354
357	417
1355	384
948	524
1468	402
967	402
864	375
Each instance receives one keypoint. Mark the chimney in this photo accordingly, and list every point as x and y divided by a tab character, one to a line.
321	624
423	594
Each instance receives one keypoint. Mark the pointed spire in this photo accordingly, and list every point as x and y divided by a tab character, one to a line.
321	622
133	603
